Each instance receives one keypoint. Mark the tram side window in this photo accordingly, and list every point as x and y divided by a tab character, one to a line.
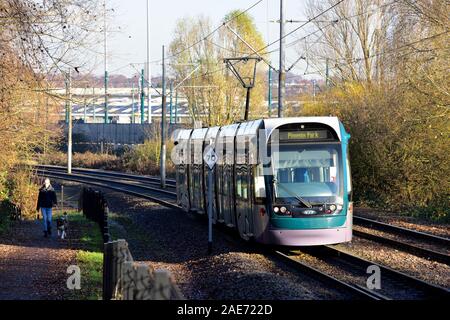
239	186
224	182
181	176
244	186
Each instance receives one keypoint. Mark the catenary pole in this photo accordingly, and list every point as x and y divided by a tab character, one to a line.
142	97
149	73
163	120
69	131
105	47
93	105
170	102
132	103
176	105
269	93
281	71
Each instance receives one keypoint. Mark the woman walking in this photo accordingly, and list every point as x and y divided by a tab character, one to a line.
46	201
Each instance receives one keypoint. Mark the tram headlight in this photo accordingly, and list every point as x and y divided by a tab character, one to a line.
276	209
283	210
332	207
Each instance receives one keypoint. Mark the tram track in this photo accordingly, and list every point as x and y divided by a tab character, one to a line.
404	246
357	220
353	269
170	183
400	231
356	291
128	185
163	197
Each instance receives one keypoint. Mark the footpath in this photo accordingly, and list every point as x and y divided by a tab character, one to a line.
31	266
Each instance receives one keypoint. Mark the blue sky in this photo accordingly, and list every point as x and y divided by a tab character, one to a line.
129	44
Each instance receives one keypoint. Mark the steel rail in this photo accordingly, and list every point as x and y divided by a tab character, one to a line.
107	185
406	247
435	291
128	176
358	220
400	230
428	290
83	176
355	289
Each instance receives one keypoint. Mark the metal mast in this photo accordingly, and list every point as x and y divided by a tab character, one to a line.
149	73
281	71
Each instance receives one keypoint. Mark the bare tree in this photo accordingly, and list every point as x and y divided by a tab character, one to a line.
214	95
350	38
38	39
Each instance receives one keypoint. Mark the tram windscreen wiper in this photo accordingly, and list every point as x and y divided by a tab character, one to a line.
296	196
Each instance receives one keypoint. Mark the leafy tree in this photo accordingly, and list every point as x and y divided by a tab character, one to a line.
214	95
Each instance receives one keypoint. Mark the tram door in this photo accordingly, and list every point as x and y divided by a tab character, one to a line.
182	191
244	197
196	174
182	175
228	201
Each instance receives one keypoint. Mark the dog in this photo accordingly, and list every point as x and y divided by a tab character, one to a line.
62	224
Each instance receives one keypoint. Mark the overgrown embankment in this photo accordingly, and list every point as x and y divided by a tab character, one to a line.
400	156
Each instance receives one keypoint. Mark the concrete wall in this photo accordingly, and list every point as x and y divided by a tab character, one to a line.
116	133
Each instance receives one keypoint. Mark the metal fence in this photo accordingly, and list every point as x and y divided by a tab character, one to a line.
95	208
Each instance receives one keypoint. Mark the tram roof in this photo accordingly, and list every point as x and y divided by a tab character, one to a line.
252	127
273	123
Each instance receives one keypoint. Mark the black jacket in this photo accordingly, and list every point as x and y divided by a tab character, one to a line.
46	198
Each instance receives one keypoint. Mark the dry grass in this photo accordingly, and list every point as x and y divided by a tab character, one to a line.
82	160
142	159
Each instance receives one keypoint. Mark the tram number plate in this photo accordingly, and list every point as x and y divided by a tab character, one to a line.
210	157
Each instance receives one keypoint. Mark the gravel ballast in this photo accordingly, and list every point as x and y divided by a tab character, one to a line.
176	241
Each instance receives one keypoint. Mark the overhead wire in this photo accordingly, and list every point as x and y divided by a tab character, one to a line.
273	42
210	33
377	54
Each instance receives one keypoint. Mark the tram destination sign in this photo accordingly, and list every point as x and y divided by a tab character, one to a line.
304	135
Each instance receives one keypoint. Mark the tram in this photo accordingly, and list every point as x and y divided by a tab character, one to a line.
283	181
